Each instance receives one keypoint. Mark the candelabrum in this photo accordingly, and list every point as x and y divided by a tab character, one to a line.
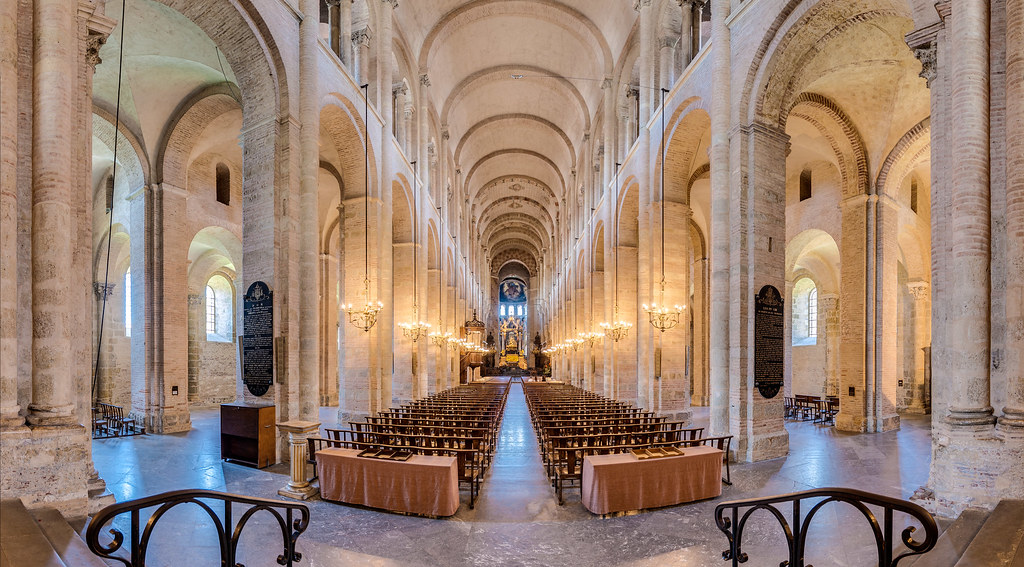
663	318
591	337
617	329
417	329
439	339
364	317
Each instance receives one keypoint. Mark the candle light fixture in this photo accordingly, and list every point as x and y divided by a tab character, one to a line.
663	318
416	328
365	317
617	329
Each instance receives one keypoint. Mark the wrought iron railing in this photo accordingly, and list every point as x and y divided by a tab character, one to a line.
228	531
731	520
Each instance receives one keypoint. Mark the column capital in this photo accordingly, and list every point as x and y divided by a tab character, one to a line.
392	3
606	83
920	290
399	88
362	37
195	299
424	79
640	4
103	290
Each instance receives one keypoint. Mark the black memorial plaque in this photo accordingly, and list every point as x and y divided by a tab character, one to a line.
258	339
769	341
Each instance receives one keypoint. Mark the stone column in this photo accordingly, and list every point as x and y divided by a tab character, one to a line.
102	292
971	222
10	416
309	148
921	325
196	330
361	55
1013	412
699	339
720	233
675	377
55	54
666	61
828	312
608	94
345	33
648	44
400	93
685	47
403	380
787	376
758	241
334	22
298	431
408	132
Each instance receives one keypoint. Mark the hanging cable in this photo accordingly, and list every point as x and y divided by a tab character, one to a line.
110	213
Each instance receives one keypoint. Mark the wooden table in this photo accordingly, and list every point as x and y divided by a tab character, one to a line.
424	485
621	482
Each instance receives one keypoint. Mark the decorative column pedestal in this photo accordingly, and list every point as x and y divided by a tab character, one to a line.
298	431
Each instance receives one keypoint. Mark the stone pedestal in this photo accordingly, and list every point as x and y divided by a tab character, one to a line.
298	431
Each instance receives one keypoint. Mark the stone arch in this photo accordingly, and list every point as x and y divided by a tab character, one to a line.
343	126
910	150
685	134
516	116
846	142
183	128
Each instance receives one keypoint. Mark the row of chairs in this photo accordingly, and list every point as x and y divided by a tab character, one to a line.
572	423
109	420
433	426
811	408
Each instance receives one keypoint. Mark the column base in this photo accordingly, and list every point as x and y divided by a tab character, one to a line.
1012	420
12	423
99	496
51	416
299	493
970	417
677	415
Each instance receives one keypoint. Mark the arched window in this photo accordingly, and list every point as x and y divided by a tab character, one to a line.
128	303
812	313
223	175
805	184
219	309
211	311
805	312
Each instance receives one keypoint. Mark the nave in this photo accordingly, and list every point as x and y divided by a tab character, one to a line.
516	520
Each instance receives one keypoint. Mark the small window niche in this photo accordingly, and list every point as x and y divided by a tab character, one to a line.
805	184
223	175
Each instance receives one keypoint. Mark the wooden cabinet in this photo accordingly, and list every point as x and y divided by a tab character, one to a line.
247	434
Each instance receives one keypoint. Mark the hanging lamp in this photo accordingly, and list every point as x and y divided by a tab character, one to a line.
663	318
415	329
617	329
365	317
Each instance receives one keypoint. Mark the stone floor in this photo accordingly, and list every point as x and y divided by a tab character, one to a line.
516	520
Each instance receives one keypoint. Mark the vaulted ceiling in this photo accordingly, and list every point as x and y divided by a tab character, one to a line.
517	84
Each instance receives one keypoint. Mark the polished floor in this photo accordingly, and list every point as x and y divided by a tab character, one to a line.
517	520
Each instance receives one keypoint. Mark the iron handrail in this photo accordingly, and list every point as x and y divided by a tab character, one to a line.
732	525
291	528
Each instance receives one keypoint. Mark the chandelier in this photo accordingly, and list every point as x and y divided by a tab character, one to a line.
663	318
439	339
416	328
617	329
591	337
574	343
366	317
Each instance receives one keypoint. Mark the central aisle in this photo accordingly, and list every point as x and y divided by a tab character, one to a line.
516	488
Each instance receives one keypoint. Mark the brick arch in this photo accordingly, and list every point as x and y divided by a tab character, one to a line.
343	126
685	133
846	142
914	146
184	129
128	141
